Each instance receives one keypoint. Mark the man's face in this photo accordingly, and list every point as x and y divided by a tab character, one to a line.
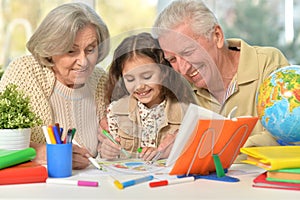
192	56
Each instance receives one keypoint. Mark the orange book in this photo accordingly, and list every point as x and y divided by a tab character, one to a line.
285	175
28	172
261	181
199	138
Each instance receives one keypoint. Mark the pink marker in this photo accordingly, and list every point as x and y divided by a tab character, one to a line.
72	182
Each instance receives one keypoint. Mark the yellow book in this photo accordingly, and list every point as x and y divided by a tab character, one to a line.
273	157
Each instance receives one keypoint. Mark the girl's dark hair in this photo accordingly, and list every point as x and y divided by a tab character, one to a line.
144	45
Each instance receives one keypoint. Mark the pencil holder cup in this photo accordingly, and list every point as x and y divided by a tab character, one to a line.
59	160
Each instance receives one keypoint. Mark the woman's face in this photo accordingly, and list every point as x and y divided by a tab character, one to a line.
74	67
142	79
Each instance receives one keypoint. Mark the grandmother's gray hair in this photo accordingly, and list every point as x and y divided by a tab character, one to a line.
193	12
56	34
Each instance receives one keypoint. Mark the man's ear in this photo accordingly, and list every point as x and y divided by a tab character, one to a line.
219	36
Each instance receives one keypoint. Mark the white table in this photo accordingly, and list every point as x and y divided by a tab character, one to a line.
200	189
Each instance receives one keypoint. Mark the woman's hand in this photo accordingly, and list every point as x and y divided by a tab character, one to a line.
80	159
41	156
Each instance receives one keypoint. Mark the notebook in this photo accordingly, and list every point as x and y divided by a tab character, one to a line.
285	175
273	157
203	134
12	157
28	172
261	182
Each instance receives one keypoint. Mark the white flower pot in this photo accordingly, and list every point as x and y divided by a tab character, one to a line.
15	138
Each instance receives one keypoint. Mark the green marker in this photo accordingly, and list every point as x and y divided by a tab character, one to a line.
139	150
115	142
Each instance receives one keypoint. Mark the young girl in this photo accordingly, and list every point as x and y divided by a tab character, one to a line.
148	99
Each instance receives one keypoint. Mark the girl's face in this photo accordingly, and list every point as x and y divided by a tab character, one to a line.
143	79
73	68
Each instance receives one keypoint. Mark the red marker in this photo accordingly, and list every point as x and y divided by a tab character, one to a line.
171	182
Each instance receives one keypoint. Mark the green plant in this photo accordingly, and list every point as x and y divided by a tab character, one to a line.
15	110
1	71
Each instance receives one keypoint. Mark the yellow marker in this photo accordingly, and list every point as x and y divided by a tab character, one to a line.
51	135
125	184
118	184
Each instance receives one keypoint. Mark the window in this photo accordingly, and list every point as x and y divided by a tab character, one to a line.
259	22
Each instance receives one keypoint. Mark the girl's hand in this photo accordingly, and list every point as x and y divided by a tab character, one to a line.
108	149
166	145
148	153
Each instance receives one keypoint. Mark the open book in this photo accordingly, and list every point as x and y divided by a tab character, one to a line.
203	134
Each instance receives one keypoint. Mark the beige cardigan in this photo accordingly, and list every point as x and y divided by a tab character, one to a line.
128	117
38	83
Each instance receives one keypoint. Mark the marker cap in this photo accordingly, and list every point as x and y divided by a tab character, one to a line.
88	183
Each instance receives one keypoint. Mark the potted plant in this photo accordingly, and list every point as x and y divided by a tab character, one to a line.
16	119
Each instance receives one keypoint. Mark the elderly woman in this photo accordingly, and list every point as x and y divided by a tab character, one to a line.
61	79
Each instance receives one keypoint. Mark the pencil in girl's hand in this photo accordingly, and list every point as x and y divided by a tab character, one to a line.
115	142
156	157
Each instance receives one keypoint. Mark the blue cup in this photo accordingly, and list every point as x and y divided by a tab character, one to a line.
59	160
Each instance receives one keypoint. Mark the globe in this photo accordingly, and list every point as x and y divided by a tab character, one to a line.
278	104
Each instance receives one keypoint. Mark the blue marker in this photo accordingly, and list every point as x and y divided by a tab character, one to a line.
56	134
132	182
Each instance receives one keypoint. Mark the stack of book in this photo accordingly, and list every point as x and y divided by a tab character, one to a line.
17	167
282	165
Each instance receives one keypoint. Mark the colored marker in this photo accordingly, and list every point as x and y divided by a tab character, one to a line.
58	128
72	182
139	150
56	134
68	138
93	161
172	182
156	157
73	132
51	134
61	130
46	134
132	182
115	142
